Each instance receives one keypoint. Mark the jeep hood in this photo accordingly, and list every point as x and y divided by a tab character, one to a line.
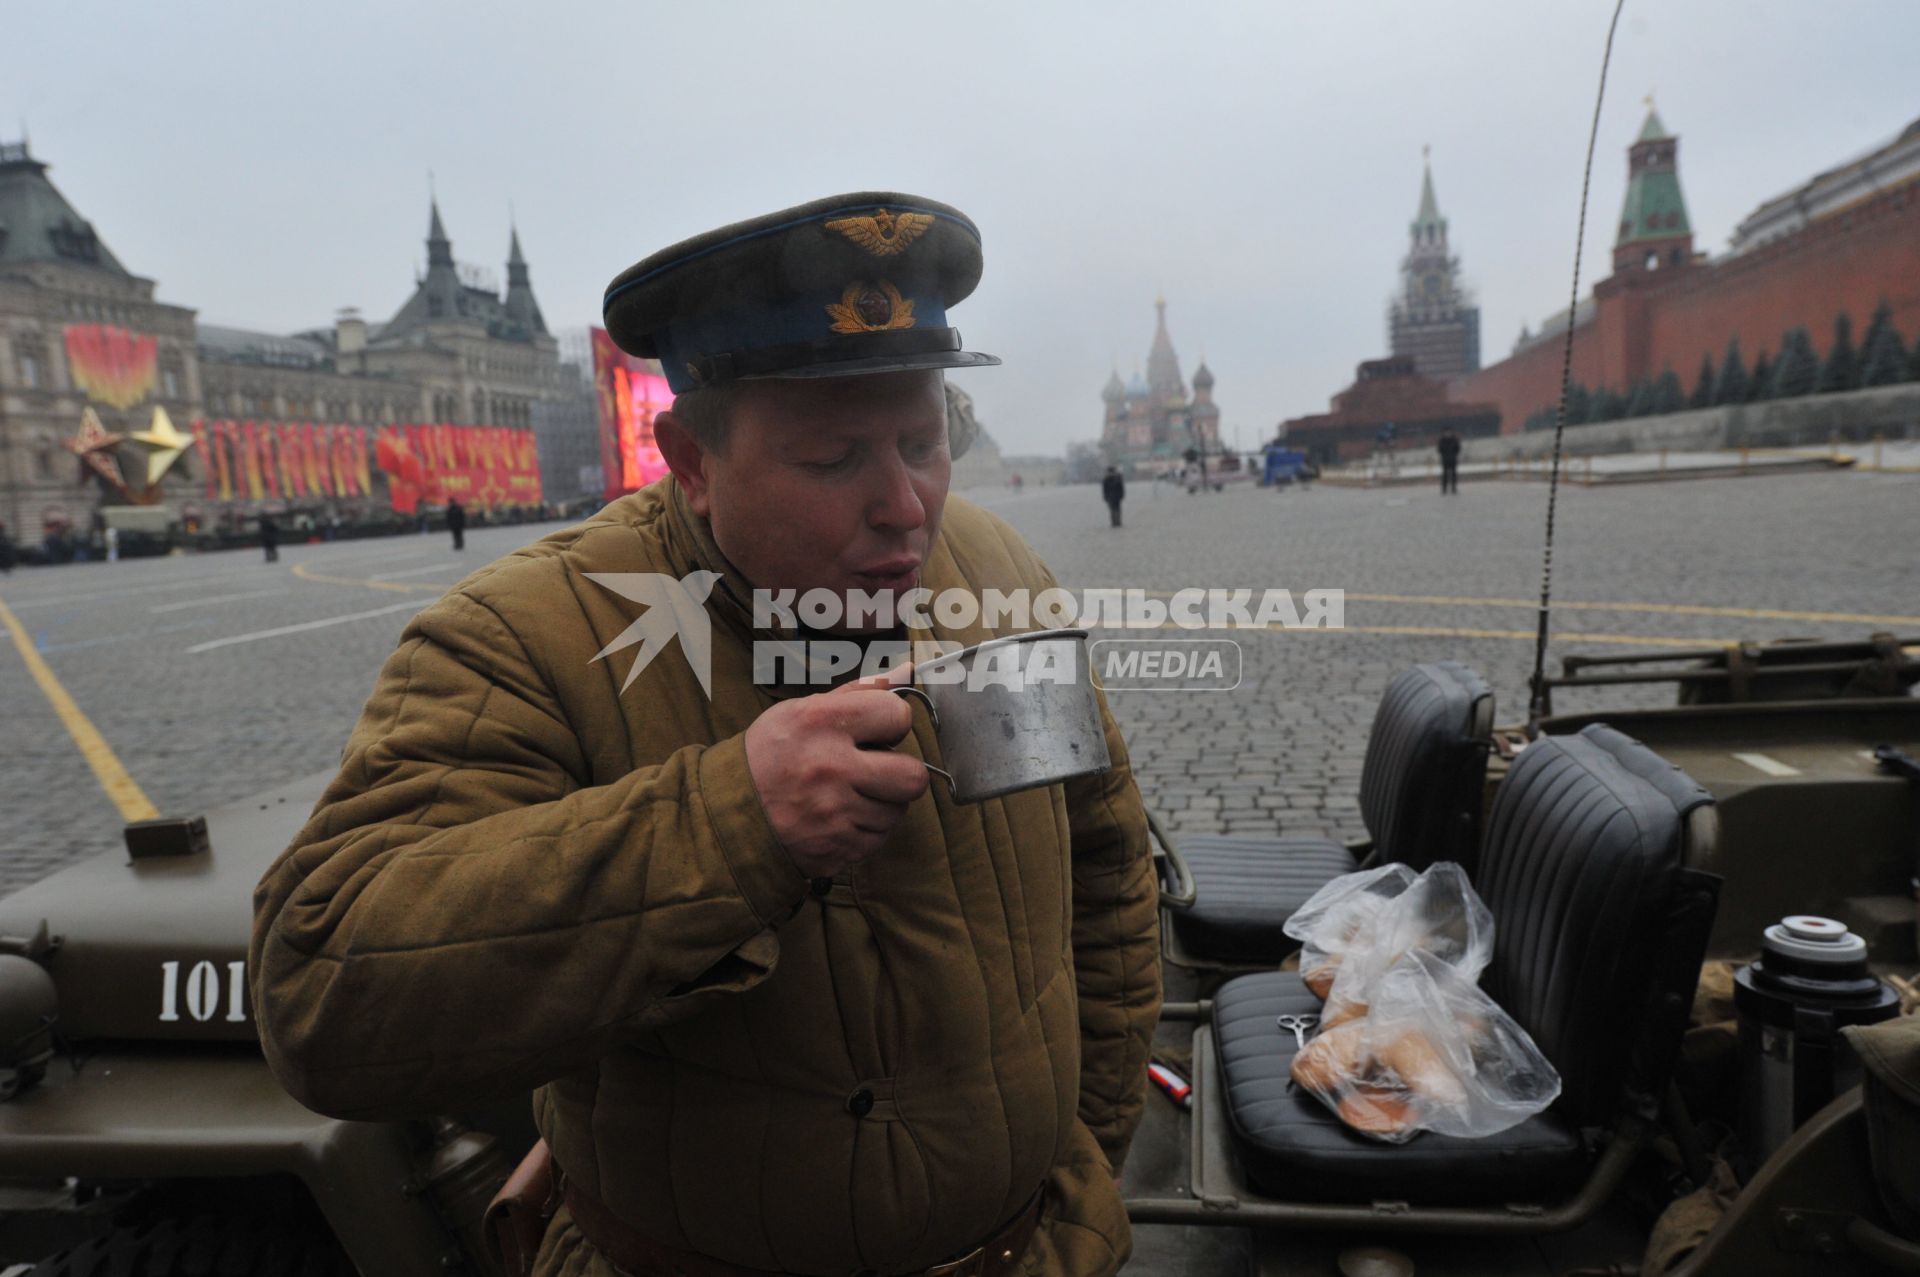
156	948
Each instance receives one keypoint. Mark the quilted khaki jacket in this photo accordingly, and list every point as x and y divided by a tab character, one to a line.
525	878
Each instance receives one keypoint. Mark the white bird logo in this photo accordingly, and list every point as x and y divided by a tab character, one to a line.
674	607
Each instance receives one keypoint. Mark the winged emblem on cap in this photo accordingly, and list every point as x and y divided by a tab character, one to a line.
884	234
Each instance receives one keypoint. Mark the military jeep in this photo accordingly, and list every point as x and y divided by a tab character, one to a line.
141	1132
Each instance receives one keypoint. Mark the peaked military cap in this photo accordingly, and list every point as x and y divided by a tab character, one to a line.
839	287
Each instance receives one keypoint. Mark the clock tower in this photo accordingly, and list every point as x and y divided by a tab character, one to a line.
1433	320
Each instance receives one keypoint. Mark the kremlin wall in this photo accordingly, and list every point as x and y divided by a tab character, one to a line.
1856	245
1846	242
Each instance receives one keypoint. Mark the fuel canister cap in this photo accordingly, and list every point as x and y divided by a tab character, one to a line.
1811	938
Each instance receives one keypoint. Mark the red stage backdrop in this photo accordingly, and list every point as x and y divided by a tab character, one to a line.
111	364
630	392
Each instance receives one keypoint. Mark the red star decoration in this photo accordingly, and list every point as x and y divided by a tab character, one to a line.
95	446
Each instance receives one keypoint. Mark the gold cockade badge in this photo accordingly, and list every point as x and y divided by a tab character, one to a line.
870	308
884	234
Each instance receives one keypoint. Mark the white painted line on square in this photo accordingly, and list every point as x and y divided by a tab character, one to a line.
183	604
411	605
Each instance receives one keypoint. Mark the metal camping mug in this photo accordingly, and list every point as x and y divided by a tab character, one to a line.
1013	713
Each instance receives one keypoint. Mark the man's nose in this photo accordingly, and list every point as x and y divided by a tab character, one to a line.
894	503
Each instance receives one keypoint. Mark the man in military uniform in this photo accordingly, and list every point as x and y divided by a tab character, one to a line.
784	1008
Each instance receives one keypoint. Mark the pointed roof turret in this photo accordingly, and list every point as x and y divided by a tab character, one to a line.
522	309
438	296
1203	376
439	247
1163	366
1115	390
36	222
1428	219
1654	229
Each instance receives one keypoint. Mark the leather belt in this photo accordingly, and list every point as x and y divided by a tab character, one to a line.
636	1255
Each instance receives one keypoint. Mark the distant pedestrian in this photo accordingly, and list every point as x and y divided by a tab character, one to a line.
269	537
457	523
1114	489
1449	449
6	550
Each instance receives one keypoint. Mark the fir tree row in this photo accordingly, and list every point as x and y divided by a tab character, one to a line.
1881	359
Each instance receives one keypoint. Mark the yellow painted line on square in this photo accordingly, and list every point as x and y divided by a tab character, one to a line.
399	587
107	767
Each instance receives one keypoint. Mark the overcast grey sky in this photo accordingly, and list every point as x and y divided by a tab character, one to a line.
1257	162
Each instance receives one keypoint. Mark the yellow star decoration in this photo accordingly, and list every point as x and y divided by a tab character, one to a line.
166	444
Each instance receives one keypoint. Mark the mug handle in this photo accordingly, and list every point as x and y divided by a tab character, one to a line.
909	690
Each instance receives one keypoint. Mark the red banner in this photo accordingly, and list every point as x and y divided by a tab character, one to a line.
630	393
480	466
293	480
310	462
272	460
222	438
111	364
204	447
484	467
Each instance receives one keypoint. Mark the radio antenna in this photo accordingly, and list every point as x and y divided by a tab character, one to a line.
1539	706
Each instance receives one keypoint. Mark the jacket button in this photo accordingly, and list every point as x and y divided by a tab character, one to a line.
860	1103
821	886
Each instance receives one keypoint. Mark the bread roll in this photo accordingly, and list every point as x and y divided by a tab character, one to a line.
1332	1061
1413	1058
1376	1110
1344	1012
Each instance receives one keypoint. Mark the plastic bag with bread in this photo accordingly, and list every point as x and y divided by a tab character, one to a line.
1340	918
1432	1053
1437	913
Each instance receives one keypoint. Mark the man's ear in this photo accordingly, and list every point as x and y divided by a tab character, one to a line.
686	458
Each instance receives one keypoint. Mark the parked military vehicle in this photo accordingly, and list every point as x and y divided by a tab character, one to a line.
141	1132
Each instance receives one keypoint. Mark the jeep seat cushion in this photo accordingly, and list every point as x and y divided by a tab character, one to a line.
1249	887
1294	1149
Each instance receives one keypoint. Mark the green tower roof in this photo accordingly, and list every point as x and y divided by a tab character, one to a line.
1654	207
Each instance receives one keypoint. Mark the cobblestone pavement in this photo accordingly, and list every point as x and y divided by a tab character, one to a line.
1427	577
